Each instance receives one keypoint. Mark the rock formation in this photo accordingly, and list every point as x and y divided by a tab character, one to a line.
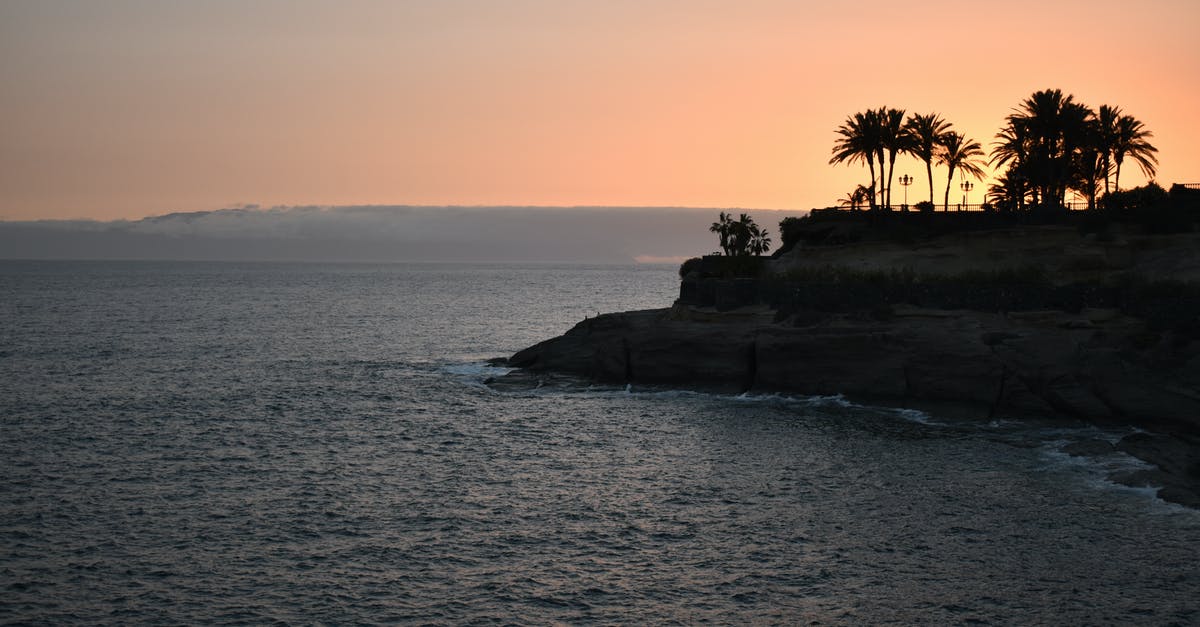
1105	365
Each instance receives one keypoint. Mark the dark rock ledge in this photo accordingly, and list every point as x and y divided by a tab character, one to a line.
1098	365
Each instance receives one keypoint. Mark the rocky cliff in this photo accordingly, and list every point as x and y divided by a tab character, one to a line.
1098	364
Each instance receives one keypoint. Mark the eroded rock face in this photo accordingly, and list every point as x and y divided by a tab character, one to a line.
1097	365
1091	369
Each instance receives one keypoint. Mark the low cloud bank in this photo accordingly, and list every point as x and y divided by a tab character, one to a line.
447	234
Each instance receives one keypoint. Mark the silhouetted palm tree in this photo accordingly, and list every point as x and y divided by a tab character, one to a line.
1086	171
760	241
859	141
856	198
1009	191
740	237
894	139
959	153
1051	129
1106	128
926	132
723	230
1012	150
1130	141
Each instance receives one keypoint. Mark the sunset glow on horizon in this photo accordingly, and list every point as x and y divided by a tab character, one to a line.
116	110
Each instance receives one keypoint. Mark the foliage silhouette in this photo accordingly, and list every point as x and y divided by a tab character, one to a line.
926	133
859	141
740	237
959	153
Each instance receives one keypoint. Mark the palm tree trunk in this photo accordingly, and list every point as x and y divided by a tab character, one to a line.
871	167
882	171
891	173
929	173
949	180
1117	177
1105	164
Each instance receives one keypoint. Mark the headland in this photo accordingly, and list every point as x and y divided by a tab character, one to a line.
1004	321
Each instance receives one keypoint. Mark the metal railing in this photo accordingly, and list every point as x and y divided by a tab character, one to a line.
960	207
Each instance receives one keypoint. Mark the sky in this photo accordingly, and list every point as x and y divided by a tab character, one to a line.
126	109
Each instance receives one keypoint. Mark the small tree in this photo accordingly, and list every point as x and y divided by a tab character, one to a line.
740	237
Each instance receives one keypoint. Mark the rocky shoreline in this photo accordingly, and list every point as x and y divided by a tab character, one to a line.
1086	366
1104	365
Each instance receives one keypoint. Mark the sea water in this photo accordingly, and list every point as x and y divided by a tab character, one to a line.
250	443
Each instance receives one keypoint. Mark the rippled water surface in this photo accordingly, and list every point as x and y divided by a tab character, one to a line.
227	443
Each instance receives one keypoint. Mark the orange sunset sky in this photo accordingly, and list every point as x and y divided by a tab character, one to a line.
127	109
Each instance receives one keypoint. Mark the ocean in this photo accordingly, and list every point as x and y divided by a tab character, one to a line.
227	443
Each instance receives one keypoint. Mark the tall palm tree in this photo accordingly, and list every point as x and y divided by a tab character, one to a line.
760	241
1086	172
722	227
1012	150
1130	141
926	132
859	141
894	139
1106	123
1053	128
959	153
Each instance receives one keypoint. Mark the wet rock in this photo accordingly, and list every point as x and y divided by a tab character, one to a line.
1177	457
1088	448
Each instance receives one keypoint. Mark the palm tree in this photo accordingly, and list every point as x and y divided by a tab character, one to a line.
1086	172
1130	141
740	237
1106	122
760	241
722	228
1050	129
1013	149
959	153
859	141
894	139
855	199
926	132
1009	191
743	233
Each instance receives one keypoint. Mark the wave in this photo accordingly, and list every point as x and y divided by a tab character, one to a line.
480	373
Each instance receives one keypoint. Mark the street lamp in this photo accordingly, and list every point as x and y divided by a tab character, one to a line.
906	180
966	186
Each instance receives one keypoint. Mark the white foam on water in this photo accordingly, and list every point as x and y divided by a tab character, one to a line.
480	370
1096	471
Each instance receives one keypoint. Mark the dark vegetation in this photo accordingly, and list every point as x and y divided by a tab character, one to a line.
1148	209
1050	145
740	237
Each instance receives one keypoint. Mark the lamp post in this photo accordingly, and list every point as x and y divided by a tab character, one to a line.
966	186
905	180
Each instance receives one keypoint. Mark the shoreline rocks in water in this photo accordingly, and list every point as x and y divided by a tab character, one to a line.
1093	366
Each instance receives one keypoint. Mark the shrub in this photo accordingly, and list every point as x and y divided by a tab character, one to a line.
790	230
1148	195
924	206
691	265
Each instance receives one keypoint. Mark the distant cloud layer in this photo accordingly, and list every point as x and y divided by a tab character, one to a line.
469	234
